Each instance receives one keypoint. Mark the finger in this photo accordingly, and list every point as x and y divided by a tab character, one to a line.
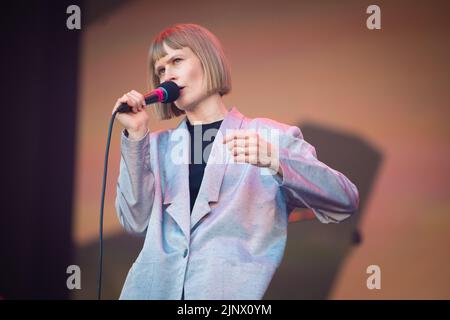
264	161
254	139
228	138
265	149
139	97
122	99
253	159
133	103
136	93
235	151
243	142
243	158
237	134
249	150
243	137
135	99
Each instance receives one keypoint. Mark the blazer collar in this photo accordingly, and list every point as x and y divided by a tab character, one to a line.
176	194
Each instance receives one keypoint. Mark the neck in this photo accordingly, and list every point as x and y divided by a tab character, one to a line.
211	109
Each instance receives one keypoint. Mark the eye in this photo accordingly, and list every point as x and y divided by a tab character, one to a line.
161	71
177	60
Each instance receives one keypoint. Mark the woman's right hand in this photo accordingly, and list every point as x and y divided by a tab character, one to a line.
135	121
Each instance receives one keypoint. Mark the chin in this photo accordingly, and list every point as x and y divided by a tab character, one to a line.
182	105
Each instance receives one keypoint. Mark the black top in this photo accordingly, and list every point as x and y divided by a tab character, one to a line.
202	137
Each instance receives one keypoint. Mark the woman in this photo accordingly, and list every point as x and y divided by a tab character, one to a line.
213	195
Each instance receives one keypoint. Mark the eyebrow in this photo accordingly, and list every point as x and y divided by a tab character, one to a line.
177	55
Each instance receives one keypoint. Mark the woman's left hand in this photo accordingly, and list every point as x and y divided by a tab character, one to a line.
250	147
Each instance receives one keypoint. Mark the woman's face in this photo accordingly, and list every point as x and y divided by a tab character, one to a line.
184	68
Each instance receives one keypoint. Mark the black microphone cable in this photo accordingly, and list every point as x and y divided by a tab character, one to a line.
167	92
105	172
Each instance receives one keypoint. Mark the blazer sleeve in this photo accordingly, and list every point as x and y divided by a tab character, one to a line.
309	183
135	185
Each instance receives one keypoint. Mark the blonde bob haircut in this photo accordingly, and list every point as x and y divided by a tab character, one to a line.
205	46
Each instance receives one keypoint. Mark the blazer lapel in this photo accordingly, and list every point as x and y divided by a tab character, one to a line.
176	190
215	169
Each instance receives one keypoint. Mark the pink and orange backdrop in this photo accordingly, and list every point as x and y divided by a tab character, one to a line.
388	88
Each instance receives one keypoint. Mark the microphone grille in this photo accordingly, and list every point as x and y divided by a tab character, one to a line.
171	90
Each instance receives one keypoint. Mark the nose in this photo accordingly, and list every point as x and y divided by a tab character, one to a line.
169	75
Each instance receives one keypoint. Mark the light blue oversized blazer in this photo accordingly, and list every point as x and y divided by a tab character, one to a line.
232	244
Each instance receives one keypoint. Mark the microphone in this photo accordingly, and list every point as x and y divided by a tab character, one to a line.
166	92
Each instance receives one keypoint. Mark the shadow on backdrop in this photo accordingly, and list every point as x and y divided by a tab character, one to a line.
314	251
